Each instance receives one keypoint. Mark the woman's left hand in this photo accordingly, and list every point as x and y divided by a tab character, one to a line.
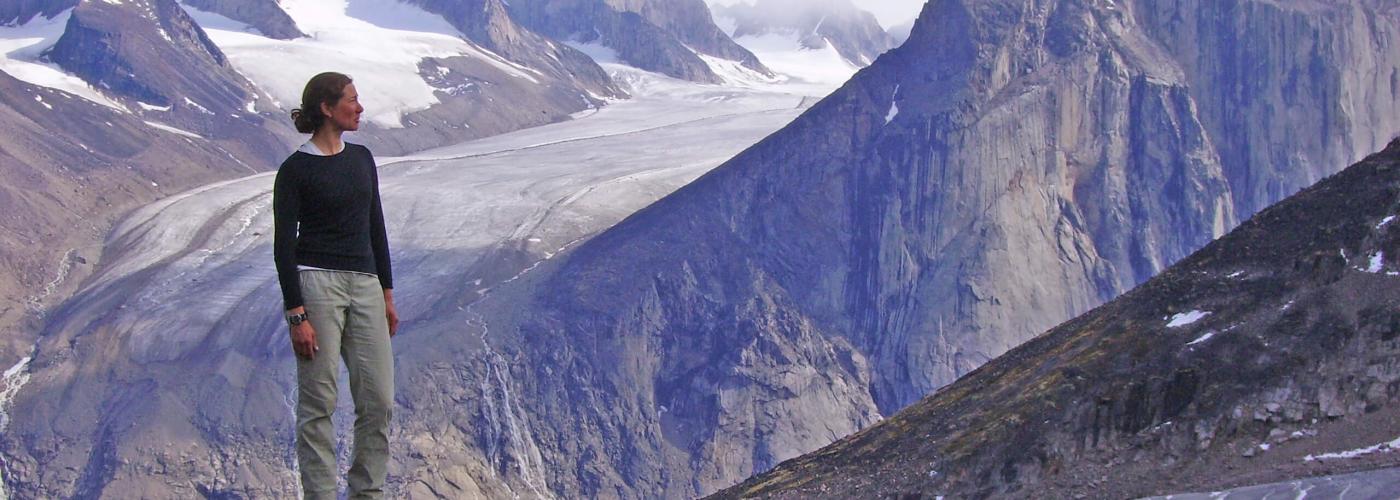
391	312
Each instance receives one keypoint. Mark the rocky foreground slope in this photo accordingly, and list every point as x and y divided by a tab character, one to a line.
1270	354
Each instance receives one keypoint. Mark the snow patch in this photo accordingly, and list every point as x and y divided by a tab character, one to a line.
14	379
894	106
1386	447
597	51
1203	338
823	68
1385	221
734	72
196	105
1235	274
173	130
152	107
1377	263
40	99
1186	318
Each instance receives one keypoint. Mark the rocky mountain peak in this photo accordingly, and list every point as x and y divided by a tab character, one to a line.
489	23
668	37
123	46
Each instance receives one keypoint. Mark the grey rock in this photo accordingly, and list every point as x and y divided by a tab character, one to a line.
265	15
661	36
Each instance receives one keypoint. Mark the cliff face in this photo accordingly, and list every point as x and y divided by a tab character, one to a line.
1327	81
662	36
265	15
1263	357
488	23
1012	165
854	33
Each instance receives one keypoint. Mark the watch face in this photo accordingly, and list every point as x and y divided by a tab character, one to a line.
296	319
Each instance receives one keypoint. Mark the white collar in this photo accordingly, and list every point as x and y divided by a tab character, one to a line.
311	149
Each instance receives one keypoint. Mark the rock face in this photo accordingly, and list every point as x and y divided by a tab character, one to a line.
265	15
480	98
1337	60
1266	356
662	36
1012	165
854	33
488	23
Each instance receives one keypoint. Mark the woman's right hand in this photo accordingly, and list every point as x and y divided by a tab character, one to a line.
304	338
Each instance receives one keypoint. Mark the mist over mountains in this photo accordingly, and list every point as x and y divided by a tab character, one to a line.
631	288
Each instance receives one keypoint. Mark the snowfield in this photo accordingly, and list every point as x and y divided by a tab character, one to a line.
379	44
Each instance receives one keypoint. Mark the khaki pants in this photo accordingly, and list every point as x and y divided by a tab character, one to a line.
347	311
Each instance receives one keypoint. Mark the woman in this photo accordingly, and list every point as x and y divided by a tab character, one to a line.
332	256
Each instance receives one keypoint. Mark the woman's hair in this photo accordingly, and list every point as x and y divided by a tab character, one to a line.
326	88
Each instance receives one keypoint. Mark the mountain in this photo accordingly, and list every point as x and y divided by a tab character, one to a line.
157	61
1268	355
488	23
432	72
971	189
265	15
671	37
853	32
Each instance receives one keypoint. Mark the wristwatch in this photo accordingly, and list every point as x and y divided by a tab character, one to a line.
296	319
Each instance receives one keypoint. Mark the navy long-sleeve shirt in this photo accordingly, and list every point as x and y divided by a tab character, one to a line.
326	214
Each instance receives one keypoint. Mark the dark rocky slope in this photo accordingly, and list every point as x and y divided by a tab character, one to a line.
1295	360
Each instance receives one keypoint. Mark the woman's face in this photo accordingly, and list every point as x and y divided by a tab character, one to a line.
345	115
